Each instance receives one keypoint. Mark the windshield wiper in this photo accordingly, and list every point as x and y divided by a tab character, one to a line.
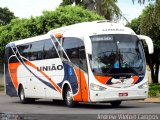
135	72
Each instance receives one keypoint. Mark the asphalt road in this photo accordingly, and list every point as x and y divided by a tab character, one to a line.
10	105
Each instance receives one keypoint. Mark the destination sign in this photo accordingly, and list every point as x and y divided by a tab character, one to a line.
102	38
116	29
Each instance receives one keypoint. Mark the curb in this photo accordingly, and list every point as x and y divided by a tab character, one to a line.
151	100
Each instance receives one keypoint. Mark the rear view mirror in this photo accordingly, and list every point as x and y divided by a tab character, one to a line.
149	43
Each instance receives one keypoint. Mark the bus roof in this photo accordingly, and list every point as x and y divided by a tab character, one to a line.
92	28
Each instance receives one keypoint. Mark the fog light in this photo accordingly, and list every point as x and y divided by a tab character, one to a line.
143	86
97	87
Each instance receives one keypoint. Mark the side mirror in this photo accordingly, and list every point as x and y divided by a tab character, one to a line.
149	43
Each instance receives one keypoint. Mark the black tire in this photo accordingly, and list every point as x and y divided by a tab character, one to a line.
116	103
22	97
68	98
31	100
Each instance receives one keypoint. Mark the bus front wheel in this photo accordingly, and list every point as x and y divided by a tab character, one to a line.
68	98
116	103
22	97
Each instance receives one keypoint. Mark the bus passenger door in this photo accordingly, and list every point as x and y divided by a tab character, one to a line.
75	50
83	75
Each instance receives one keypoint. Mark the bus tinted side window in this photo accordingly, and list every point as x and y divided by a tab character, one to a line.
24	50
36	50
74	47
49	50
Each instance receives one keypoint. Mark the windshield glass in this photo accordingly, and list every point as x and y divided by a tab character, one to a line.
117	54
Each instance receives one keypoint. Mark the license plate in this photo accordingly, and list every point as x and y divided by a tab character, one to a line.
123	94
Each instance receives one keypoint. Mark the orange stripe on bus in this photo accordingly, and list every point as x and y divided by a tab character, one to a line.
102	79
53	83
135	78
13	73
83	89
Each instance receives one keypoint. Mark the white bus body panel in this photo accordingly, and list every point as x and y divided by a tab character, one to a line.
33	86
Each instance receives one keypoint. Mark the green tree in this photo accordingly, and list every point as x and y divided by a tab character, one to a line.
157	11
135	25
139	1
66	2
142	1
106	8
5	16
68	15
24	28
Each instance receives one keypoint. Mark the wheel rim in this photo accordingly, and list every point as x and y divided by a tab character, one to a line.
22	95
69	97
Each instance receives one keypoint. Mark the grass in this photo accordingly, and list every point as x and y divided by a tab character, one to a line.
1	88
154	90
1	79
1	82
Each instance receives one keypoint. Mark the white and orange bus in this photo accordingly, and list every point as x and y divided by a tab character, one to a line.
97	61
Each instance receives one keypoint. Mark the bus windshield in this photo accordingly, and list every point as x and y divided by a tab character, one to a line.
117	54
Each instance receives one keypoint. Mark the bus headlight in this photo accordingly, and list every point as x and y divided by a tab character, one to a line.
97	87
143	86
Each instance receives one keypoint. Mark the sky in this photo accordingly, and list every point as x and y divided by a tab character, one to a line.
130	10
28	8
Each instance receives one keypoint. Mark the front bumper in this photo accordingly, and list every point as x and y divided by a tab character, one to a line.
106	96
